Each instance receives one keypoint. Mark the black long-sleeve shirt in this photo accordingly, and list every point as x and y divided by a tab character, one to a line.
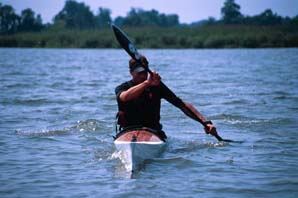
145	110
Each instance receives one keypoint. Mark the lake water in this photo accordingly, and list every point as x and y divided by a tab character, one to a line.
57	109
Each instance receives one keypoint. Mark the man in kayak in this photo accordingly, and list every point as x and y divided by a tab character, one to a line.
139	100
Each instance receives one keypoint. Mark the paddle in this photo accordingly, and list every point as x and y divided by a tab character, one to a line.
129	47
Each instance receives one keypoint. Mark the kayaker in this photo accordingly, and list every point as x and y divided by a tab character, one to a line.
139	100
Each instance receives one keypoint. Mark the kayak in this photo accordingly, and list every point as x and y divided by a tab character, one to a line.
137	145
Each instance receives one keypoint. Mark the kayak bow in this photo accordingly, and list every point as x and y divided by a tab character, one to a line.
137	145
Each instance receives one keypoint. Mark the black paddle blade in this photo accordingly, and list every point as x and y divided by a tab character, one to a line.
226	140
232	141
125	43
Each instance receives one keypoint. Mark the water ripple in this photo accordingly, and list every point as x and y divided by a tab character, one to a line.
62	103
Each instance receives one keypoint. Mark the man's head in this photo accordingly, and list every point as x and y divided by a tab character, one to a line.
137	69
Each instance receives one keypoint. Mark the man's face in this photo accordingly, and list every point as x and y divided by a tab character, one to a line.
139	77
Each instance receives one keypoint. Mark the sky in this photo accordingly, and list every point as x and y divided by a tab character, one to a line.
188	10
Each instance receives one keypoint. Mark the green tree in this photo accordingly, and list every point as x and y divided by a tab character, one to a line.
210	21
119	21
231	12
171	20
38	20
268	18
139	17
76	15
103	18
133	18
294	20
9	21
29	22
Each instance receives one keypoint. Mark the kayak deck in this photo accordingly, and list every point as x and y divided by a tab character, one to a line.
139	135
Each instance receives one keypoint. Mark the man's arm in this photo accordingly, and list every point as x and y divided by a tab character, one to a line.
193	113
188	109
196	115
133	92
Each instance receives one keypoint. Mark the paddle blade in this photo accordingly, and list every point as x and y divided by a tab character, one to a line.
226	140
233	141
125	43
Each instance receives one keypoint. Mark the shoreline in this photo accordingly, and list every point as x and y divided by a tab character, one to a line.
205	37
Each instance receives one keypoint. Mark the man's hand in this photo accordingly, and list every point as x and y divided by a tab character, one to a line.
153	79
210	129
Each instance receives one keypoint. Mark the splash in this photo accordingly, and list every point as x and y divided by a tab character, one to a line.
90	125
238	119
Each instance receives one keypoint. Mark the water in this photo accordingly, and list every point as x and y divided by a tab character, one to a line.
57	111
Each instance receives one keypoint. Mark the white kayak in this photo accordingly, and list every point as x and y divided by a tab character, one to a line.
137	145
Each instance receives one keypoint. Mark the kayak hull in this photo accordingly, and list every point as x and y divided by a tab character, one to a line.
137	145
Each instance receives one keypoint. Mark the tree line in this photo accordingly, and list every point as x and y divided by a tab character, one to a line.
11	23
231	15
75	26
75	15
